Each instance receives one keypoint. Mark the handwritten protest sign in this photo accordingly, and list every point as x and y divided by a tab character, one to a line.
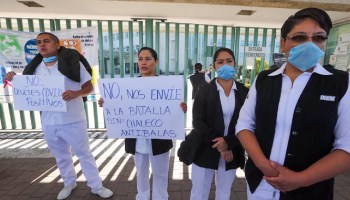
43	93
18	48
147	107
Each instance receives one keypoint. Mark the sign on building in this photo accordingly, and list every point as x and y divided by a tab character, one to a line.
252	52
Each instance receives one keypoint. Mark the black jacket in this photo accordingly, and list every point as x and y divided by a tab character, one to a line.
68	64
209	122
197	79
158	146
188	148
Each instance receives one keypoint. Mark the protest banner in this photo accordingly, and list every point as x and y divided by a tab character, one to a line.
145	107
41	93
18	48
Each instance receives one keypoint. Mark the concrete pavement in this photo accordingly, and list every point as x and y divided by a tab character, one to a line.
28	171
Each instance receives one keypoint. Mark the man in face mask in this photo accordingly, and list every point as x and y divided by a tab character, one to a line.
64	131
294	125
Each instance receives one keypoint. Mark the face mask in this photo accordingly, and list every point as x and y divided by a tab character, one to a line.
50	59
305	55
226	72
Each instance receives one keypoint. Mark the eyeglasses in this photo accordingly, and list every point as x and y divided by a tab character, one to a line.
303	38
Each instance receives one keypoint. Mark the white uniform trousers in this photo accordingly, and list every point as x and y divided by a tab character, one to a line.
160	171
250	196
263	193
202	179
60	139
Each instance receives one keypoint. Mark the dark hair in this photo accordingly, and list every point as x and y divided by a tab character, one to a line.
223	49
198	67
52	36
316	14
152	51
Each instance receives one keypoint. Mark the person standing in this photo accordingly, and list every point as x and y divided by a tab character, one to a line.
150	151
294	123
198	78
215	113
64	131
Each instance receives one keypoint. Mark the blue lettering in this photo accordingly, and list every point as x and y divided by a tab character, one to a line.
125	133
148	110
17	91
112	90
108	112
118	111
52	92
113	120
31	102
166	94
137	123
32	80
135	94
148	133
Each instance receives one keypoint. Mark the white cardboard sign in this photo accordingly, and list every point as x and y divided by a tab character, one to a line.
41	93
145	107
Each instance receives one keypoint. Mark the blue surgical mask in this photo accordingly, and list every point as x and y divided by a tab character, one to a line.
50	59
305	55
226	72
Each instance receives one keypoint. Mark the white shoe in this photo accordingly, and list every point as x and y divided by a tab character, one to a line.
102	192
66	191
